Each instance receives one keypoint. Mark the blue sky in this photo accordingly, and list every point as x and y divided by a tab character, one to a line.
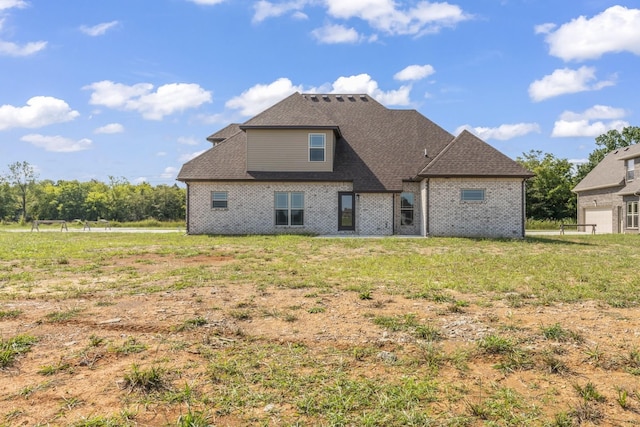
131	88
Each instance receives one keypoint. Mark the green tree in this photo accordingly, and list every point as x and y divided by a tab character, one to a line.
21	177
607	142
7	202
549	193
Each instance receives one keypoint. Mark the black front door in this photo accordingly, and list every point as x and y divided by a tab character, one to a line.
346	211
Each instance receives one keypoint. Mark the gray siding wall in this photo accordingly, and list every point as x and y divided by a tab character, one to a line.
499	215
286	150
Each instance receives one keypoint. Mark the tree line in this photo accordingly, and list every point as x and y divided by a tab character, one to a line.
549	195
23	198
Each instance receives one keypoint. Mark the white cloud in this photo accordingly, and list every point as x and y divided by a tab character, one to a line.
13	49
188	140
266	9
572	124
167	99
585	128
188	156
169	172
161	153
502	132
414	72
544	28
614	30
9	4
260	97
564	81
363	83
39	111
98	30
595	112
58	144
335	34
383	15
110	128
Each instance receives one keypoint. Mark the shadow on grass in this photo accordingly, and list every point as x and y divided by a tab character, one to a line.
555	241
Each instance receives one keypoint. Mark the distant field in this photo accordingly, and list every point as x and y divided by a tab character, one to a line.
168	329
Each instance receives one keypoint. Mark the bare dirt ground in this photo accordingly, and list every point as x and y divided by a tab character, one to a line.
85	351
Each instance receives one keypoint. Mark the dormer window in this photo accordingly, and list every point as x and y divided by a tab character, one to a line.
630	169
317	147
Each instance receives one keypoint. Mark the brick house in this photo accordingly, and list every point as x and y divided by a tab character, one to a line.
608	196
345	164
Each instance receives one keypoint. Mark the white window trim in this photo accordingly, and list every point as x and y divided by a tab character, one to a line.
324	147
630	166
288	209
226	200
633	215
412	209
462	195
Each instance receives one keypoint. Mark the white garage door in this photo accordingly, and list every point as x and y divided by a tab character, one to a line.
603	217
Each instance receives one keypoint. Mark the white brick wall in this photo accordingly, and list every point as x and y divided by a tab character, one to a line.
499	215
251	209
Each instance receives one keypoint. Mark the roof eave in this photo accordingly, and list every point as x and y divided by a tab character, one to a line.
334	128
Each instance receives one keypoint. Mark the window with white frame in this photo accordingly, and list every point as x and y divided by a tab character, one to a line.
630	169
289	208
472	195
317	147
406	208
219	199
632	214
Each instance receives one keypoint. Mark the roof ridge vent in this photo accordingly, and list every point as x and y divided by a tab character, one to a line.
314	97
325	97
626	148
363	96
351	97
339	97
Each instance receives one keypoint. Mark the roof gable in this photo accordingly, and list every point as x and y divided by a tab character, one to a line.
291	112
376	148
468	155
610	172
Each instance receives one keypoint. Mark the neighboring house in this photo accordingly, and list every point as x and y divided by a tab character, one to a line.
608	195
347	165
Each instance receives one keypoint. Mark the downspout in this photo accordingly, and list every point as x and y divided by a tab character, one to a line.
187	208
427	208
524	211
393	214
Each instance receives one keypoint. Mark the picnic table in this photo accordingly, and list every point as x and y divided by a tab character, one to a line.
102	222
593	227
37	222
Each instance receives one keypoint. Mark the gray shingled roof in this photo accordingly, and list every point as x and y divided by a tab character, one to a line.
468	155
610	172
377	148
224	133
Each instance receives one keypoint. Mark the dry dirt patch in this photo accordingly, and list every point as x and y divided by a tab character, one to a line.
77	368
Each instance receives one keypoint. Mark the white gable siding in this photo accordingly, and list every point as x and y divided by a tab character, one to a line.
499	215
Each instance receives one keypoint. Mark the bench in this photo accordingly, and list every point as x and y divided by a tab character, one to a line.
593	227
101	222
37	222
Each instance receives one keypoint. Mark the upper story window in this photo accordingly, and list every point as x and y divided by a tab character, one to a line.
472	195
317	147
630	169
219	199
